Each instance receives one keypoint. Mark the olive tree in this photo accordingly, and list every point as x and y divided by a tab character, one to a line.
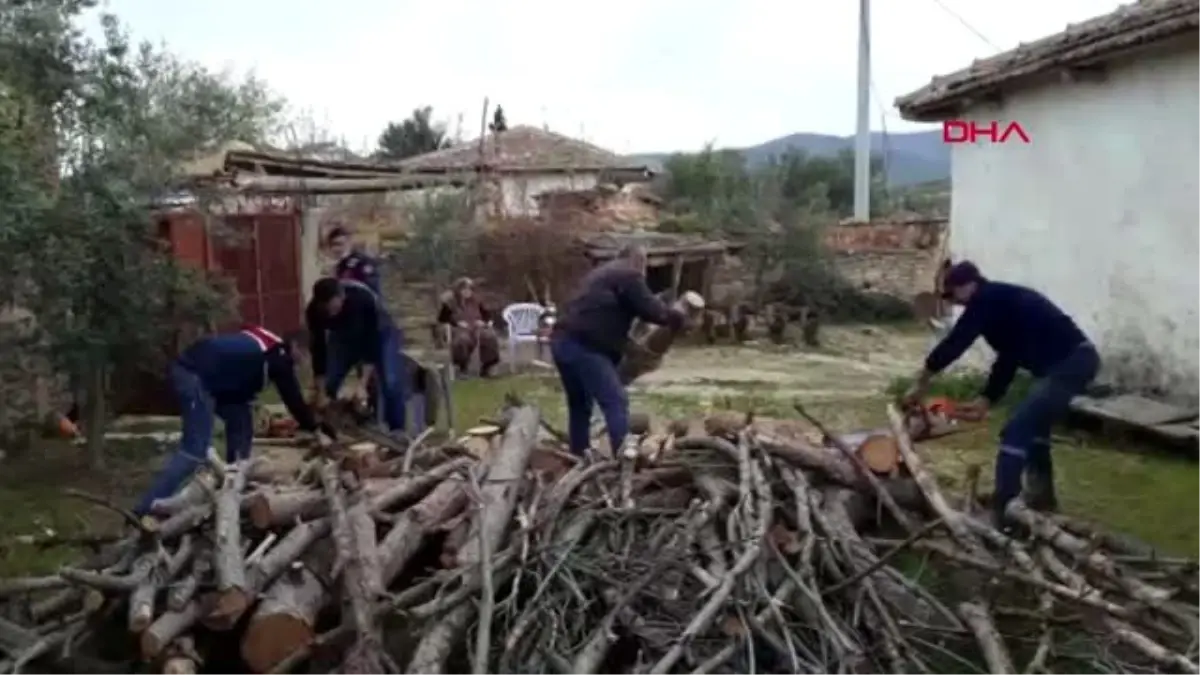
95	133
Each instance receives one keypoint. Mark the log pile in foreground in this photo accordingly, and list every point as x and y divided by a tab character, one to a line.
735	550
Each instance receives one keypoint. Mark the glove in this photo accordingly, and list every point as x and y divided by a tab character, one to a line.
912	397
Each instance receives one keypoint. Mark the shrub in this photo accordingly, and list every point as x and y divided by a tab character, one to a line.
965	385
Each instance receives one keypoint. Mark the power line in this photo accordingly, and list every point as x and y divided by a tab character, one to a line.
966	24
883	141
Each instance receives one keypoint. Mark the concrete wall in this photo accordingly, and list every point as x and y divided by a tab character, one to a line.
1099	211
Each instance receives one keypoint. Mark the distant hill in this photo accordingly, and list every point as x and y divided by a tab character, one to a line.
916	157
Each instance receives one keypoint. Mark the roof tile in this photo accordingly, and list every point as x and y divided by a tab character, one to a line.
1088	42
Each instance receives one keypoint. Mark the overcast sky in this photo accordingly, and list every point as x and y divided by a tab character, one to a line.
630	75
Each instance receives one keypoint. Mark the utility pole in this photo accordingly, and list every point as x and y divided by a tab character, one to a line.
862	137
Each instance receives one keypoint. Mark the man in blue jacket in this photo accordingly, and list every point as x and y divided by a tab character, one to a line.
351	263
1026	330
222	375
590	337
348	326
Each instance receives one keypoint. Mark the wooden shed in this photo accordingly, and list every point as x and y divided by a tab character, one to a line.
675	263
257	246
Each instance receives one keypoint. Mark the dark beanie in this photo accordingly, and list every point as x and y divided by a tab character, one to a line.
961	274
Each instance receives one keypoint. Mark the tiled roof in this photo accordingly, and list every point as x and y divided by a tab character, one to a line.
523	149
1088	43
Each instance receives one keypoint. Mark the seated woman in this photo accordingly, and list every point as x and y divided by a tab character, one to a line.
469	323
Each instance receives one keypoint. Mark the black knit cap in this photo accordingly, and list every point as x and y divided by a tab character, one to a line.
960	274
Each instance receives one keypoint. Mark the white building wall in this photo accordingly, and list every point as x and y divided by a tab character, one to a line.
519	191
1099	212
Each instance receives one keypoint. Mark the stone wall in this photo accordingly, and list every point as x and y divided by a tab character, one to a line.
900	273
896	257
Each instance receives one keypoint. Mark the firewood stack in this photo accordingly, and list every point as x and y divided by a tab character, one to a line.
738	550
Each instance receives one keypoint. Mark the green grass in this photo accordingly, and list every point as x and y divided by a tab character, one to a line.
1130	489
34	503
1117	481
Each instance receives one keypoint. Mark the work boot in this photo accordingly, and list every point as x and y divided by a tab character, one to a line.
999	520
1039	492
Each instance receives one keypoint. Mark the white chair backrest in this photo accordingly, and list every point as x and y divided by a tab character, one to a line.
522	318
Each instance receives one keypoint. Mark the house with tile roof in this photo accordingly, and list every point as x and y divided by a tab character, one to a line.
1099	208
524	162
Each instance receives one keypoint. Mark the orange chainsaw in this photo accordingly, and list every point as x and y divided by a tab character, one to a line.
936	417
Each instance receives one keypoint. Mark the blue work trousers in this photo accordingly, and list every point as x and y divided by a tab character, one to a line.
589	377
389	386
1025	438
197	410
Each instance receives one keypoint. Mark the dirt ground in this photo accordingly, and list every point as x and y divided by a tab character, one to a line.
854	362
1112	480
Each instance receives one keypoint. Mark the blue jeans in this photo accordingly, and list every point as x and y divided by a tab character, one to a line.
389	375
197	409
1025	438
589	377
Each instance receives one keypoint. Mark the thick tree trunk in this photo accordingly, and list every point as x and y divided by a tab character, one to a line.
286	617
404	540
234	593
97	416
354	537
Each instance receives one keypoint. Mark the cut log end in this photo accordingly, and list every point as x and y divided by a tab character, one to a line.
880	453
258	507
228	606
140	618
180	665
151	645
271	639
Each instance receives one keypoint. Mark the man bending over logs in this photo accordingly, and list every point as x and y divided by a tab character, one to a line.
348	325
222	375
469	322
590	337
1026	330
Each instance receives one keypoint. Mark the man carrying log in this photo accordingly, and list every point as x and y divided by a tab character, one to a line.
1026	330
221	375
590	337
348	325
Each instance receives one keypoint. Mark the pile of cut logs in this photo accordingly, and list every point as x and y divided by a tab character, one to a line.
736	549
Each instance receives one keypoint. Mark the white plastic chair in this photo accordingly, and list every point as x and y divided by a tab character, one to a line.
522	321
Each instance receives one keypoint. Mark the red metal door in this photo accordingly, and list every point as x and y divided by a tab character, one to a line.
259	254
262	256
236	256
280	295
